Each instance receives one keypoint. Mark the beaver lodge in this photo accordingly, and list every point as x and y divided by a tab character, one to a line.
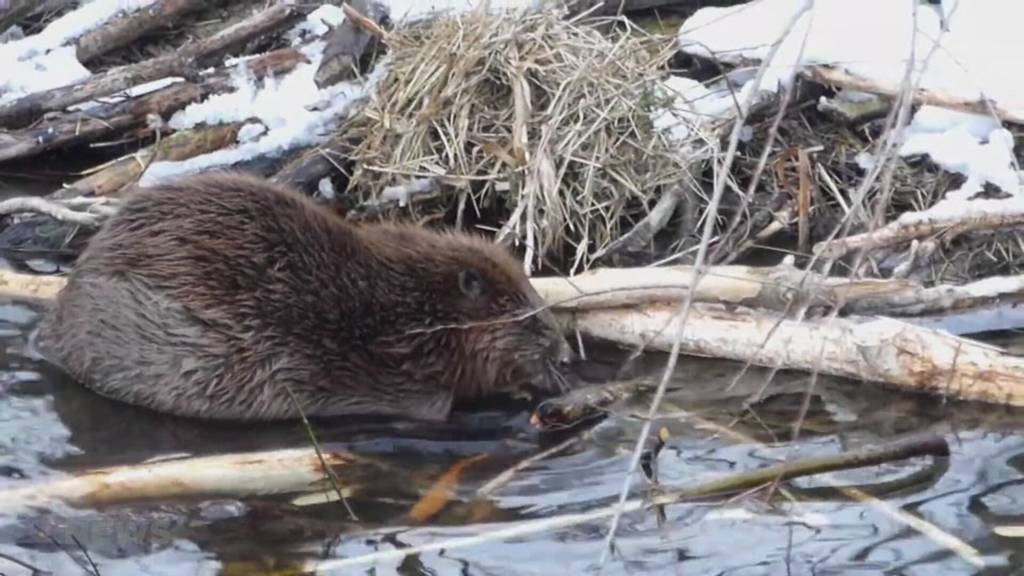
828	188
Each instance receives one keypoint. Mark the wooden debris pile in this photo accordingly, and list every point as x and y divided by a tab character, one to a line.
549	130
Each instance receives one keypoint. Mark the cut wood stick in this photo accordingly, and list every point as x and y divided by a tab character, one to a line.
370	25
843	79
440	494
27	109
69	128
114	176
221	476
30	287
884	350
126	29
913	225
50	208
944	298
645	230
772	288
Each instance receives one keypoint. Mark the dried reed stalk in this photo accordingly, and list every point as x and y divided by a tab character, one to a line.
550	118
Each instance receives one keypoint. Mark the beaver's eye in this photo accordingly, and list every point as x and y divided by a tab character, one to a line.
471	284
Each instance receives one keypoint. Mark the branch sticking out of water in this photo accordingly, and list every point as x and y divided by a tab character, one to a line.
910	448
227	475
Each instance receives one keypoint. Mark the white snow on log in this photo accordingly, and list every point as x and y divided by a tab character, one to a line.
691	104
976	146
873	38
46	60
293	109
251	131
133	92
979	58
317	23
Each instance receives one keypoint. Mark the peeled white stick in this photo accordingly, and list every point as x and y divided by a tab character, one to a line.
26	286
772	287
874	349
227	475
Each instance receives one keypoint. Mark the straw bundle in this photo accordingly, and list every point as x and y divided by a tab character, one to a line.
548	119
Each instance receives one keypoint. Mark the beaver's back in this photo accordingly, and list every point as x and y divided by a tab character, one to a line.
225	296
190	285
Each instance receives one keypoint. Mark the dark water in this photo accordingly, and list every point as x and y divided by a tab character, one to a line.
49	426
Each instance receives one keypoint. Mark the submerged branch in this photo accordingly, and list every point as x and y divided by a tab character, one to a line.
872	456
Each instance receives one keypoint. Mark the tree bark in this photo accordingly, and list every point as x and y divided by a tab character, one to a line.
78	127
176	147
882	350
126	29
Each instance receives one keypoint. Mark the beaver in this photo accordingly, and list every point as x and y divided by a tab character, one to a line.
222	296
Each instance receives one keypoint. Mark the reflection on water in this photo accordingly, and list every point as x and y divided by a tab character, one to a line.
50	426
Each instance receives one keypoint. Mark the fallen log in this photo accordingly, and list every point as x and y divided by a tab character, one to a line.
877	349
73	128
192	55
126	29
70	128
114	176
975	215
914	301
842	79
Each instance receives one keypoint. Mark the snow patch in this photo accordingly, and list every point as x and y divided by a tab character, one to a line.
294	111
45	60
980	47
251	131
691	103
316	24
976	146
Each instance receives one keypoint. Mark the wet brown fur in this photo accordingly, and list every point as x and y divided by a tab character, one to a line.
210	296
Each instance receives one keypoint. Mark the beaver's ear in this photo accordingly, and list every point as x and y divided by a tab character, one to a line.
471	283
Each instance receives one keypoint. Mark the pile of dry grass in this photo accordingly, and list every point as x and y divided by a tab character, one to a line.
552	118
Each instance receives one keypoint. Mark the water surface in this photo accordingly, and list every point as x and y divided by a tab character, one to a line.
50	426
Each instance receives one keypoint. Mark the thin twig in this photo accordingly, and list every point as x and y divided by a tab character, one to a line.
709	224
